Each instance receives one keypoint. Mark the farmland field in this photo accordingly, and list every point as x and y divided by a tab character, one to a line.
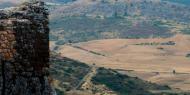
150	59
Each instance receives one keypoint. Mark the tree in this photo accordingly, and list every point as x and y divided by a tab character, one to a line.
174	72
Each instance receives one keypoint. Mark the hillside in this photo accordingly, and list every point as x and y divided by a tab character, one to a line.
152	59
5	5
85	20
68	73
59	1
73	21
125	85
185	2
108	8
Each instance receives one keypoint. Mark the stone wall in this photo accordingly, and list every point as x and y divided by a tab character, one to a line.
24	50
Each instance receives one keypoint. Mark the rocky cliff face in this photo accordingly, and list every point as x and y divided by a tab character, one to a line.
24	50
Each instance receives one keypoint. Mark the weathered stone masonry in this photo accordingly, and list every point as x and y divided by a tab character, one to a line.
24	50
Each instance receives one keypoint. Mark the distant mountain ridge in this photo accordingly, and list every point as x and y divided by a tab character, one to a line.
59	1
11	3
185	2
84	20
108	8
6	4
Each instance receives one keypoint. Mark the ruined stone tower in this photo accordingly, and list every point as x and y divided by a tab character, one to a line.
24	50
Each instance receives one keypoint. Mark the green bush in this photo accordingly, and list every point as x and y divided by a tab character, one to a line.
60	42
188	55
59	92
53	38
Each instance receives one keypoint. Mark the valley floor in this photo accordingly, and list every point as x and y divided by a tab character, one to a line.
159	60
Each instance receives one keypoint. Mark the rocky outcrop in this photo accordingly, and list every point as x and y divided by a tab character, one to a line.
24	50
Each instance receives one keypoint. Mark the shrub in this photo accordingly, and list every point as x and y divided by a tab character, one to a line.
53	38
60	42
59	92
188	55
